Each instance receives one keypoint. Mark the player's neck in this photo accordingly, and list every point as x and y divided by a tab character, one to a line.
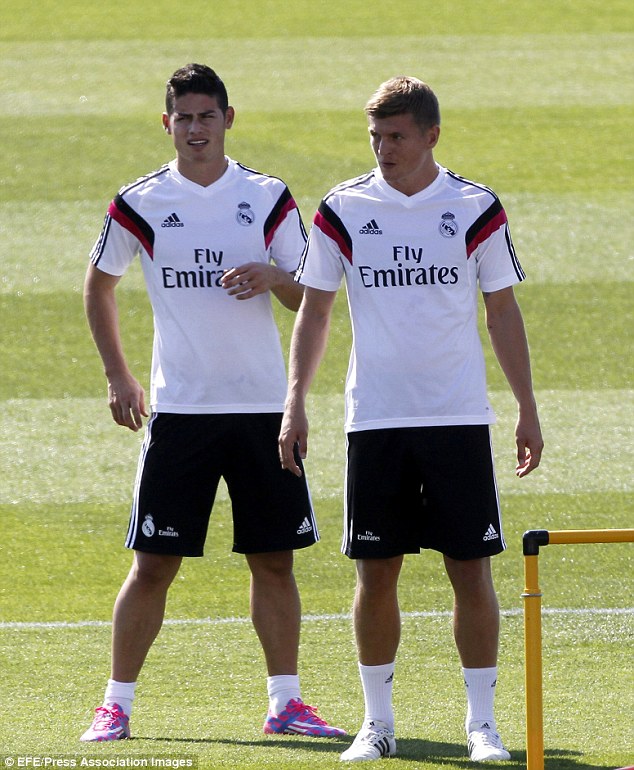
202	173
419	180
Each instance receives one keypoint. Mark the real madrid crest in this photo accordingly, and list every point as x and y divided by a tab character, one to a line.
448	226
245	215
147	527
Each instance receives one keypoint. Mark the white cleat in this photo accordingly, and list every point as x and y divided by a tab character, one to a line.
485	745
374	740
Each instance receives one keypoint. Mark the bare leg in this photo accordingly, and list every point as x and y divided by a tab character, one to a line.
376	614
476	630
276	609
476	612
138	612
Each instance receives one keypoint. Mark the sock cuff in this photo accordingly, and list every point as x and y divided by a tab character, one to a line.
282	682
116	690
385	668
480	672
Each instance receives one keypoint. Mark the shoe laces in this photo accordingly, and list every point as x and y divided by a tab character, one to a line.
309	713
489	738
106	717
372	730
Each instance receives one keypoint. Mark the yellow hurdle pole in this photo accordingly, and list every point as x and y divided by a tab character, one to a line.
532	595
533	657
591	536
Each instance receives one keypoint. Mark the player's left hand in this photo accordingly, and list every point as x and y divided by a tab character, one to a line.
530	444
293	438
249	280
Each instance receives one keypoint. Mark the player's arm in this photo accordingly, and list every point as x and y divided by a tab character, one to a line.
288	291
308	343
255	278
508	338
126	397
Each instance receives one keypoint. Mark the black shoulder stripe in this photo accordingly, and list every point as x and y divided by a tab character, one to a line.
494	209
141	227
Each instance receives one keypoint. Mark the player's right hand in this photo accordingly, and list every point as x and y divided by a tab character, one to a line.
126	399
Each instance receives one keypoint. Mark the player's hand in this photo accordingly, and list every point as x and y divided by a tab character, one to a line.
293	439
126	399
249	280
530	444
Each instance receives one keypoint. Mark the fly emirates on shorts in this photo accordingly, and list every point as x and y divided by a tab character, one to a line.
405	270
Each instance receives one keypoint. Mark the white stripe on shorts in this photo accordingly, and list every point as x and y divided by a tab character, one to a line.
134	513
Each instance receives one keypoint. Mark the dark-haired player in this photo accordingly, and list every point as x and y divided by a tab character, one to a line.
215	240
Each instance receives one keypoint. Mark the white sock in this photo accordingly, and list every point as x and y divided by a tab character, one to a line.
480	684
281	689
377	684
121	693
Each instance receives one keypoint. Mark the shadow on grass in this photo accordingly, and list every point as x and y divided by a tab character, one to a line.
409	749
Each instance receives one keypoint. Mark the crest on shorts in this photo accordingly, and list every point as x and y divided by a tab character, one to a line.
448	226
147	527
245	215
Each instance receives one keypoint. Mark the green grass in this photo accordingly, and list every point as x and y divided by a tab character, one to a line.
537	102
74	20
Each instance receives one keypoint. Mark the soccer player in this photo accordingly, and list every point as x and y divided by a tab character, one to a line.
414	241
215	240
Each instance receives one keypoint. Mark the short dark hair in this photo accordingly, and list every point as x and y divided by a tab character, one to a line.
195	79
401	95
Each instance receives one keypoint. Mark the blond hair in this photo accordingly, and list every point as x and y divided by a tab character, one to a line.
403	94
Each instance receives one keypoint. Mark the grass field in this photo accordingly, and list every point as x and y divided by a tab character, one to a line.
538	102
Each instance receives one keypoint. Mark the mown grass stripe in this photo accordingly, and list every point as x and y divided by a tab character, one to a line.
70	625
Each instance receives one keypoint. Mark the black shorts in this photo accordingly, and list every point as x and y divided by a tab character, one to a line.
413	488
182	460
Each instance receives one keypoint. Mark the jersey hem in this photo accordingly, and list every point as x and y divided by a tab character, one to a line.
419	422
218	409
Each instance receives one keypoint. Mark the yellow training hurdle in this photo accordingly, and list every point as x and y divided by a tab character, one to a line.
532	541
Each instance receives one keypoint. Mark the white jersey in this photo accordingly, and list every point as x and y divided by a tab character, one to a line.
412	266
212	353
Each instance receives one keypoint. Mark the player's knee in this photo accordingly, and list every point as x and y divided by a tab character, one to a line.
275	566
154	570
376	575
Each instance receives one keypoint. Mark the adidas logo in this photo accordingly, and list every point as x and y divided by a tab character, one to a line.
172	221
491	534
371	228
305	527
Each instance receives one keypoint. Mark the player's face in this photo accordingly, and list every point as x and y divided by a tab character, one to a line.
197	126
404	152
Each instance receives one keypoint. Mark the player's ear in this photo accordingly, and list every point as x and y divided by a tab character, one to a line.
166	122
434	136
230	115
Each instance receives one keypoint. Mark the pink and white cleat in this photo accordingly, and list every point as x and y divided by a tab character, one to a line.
300	719
110	724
